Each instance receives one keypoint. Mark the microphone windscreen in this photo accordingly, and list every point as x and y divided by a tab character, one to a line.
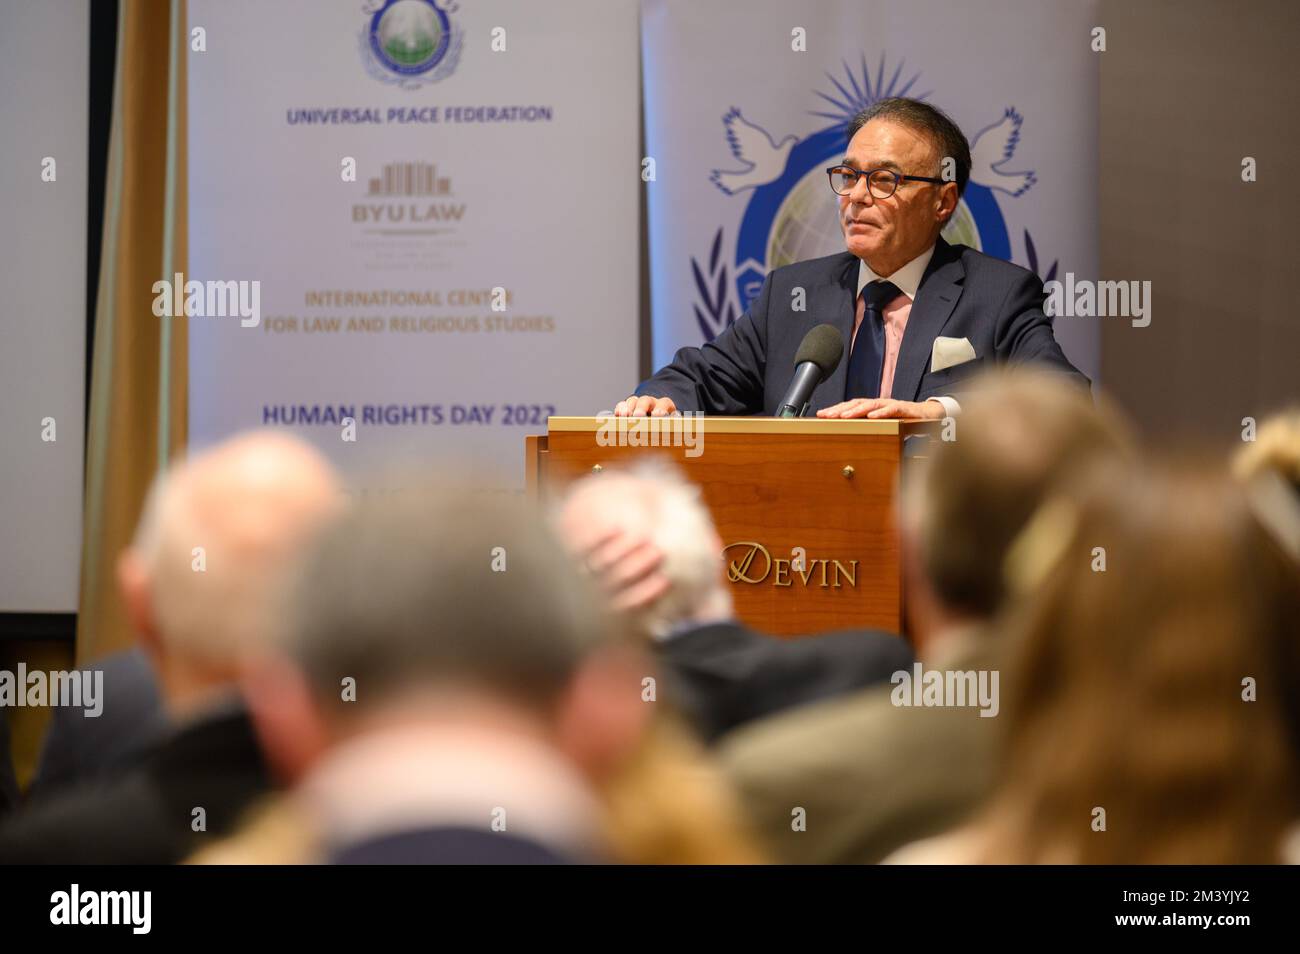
824	347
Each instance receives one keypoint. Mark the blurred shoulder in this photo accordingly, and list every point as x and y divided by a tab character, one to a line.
798	740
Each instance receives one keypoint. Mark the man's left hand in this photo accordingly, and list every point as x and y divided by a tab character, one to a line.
627	566
886	409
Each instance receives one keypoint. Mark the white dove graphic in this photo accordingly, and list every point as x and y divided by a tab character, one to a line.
764	159
992	147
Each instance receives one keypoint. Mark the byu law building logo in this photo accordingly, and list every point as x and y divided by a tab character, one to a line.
409	198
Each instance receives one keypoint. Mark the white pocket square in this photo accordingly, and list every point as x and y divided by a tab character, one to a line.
948	352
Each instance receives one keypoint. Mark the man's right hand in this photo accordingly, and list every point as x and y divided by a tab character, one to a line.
645	406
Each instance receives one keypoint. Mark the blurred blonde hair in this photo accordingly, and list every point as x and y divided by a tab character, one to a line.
671	804
1276	447
667	805
1125	691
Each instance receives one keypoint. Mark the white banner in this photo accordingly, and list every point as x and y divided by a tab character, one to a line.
1019	77
438	205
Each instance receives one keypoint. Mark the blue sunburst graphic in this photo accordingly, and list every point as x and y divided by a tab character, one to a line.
858	92
773	229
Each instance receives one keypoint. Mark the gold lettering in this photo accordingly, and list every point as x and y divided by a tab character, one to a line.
744	570
738	571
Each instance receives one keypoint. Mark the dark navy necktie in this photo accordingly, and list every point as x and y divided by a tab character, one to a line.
868	354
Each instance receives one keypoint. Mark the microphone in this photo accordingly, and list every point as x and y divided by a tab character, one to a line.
818	356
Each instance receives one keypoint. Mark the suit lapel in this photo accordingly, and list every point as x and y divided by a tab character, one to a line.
834	305
940	288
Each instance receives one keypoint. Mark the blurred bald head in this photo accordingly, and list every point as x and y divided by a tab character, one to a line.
204	577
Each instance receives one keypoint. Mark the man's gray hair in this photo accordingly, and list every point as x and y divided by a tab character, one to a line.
443	586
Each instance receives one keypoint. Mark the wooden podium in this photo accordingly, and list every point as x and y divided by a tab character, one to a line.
805	507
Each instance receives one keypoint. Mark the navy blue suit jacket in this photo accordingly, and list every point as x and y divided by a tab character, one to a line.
448	846
79	750
998	306
722	675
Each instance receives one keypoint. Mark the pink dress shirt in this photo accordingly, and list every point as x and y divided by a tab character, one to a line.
895	315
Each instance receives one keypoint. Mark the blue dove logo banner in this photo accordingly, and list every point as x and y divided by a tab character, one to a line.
747	157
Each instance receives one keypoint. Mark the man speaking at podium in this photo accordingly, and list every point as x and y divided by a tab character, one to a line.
916	315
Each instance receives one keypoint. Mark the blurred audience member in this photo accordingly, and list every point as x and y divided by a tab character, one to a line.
853	779
202	583
78	750
670	804
1269	466
649	538
454	695
1276	449
1147	700
8	783
665	804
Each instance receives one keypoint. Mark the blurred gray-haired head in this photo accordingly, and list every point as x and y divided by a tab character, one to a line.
656	502
442	587
1021	433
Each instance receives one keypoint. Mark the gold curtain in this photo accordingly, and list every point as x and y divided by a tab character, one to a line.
137	418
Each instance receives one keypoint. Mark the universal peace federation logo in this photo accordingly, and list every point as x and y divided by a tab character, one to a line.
410	43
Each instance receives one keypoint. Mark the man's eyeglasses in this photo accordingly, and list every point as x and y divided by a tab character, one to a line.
882	182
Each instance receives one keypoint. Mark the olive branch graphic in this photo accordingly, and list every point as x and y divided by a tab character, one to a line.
1032	254
719	311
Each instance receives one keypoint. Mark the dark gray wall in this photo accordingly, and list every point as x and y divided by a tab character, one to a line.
1189	88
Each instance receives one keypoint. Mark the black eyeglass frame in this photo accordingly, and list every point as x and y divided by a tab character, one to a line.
898	178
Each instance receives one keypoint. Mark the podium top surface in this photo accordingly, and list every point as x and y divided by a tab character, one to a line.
754	425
